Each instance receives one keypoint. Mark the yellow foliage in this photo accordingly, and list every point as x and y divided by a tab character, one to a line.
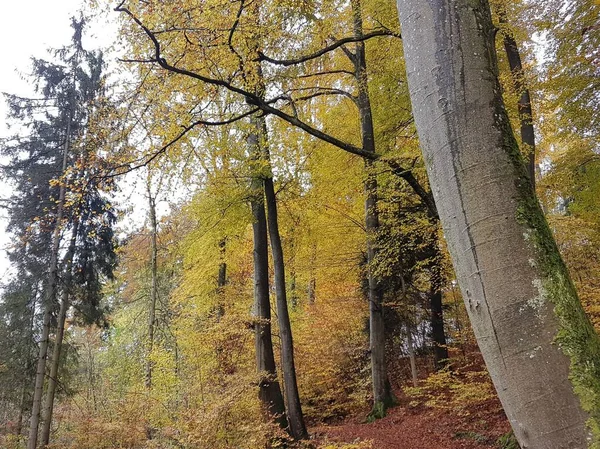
457	390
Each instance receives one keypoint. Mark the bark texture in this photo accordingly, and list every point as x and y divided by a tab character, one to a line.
537	342
382	392
293	407
153	283
270	391
524	105
438	334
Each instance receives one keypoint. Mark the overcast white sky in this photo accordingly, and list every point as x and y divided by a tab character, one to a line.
28	28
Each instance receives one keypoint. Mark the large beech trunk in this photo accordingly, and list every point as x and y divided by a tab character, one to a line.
270	391
534	336
290	386
58	339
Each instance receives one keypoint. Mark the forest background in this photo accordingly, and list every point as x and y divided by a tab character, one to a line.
178	333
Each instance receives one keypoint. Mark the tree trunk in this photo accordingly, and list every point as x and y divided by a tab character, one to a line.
438	333
290	386
382	394
412	358
58	339
221	280
440	350
153	283
311	290
537	342
524	105
270	391
48	303
19	426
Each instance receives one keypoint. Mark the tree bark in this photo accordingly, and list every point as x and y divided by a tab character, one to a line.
58	339
382	393
270	391
524	105
537	342
290	386
438	333
153	283
221	280
440	350
49	301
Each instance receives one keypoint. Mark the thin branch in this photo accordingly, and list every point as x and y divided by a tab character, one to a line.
327	72
129	168
327	49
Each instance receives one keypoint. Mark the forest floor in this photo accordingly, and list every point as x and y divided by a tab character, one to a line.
420	428
457	410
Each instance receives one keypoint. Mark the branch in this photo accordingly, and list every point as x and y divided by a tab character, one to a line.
266	107
333	46
409	177
127	168
326	72
324	91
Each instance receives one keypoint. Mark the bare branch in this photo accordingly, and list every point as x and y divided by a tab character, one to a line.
327	49
127	168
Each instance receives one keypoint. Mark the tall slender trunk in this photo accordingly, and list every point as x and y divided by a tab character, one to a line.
19	426
382	393
440	350
221	280
290	385
524	104
293	284
270	391
58	339
537	343
411	356
153	283
438	333
48	302
311	290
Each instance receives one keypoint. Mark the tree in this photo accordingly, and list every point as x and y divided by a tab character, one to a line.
55	168
521	302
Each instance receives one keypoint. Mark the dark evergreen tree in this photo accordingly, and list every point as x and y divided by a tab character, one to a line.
58	213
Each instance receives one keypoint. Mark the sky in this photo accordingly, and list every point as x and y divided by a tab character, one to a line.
27	29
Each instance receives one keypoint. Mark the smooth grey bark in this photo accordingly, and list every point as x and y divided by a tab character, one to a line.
534	336
293	407
58	339
269	389
48	303
153	283
524	105
382	392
